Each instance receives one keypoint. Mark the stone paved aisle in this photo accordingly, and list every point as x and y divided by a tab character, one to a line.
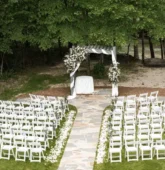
81	147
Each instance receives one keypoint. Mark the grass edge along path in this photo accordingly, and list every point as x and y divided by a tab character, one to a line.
105	156
124	165
44	165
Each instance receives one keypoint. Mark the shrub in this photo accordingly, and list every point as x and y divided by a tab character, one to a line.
99	70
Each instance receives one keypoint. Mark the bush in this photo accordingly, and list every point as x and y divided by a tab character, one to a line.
99	70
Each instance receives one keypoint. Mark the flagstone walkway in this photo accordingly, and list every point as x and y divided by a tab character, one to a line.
81	147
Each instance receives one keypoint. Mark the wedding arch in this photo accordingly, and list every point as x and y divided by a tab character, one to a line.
78	54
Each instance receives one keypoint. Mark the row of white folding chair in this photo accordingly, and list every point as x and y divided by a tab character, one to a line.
41	116
28	136
144	97
152	97
145	145
61	101
22	114
135	149
49	98
50	127
23	106
146	148
32	150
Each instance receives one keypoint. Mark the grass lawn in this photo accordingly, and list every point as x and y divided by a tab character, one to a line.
32	82
17	165
139	165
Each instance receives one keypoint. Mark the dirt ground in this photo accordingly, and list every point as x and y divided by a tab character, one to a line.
142	81
123	91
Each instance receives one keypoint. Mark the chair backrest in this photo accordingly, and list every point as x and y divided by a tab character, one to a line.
154	93
32	96
34	144
145	143
143	95
51	98
131	97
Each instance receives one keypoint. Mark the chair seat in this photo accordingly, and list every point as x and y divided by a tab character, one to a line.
36	150
8	136
26	127
145	148
19	137
155	136
143	136
131	149
115	150
22	149
160	147
7	147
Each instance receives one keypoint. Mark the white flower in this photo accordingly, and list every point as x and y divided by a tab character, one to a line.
60	142
101	153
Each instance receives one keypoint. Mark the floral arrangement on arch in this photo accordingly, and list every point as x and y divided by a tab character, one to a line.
76	55
113	74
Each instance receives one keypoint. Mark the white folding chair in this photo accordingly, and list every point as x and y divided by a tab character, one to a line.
131	151
116	123
142	97
143	134
115	154
36	152
153	96
41	116
159	149
156	134
22	151
144	107
119	104
42	138
157	106
7	149
145	148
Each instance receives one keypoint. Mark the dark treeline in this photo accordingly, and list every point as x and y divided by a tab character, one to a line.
38	32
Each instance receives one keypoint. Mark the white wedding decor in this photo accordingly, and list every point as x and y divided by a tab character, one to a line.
101	150
72	62
113	75
61	141
78	54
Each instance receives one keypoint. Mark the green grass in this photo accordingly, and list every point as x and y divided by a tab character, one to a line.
139	165
17	165
33	82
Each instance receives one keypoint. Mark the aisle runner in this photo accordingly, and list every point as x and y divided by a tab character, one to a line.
81	147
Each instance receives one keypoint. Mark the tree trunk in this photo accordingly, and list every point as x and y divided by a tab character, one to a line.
163	43
59	47
2	57
128	49
102	58
136	51
88	64
161	47
143	47
70	45
151	48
